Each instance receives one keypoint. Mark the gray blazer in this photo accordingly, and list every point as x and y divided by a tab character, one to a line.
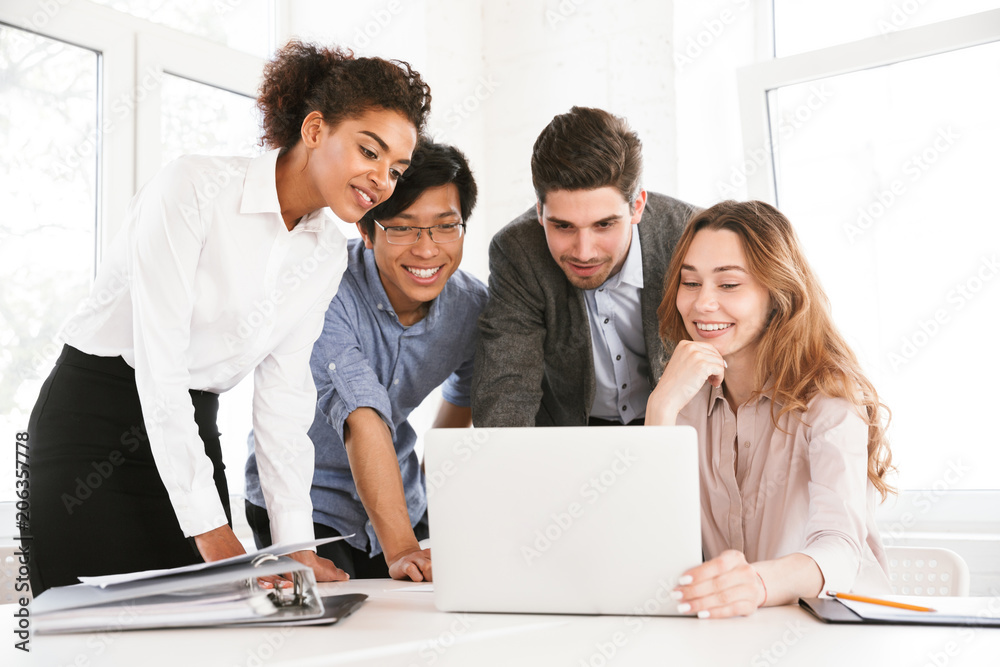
534	361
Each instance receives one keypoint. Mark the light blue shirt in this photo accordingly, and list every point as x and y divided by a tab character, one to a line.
366	358
621	366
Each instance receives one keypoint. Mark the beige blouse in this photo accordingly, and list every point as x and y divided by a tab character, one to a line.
769	493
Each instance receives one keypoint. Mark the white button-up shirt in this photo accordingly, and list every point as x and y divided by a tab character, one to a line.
204	284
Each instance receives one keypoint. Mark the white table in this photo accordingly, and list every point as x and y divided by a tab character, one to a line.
399	627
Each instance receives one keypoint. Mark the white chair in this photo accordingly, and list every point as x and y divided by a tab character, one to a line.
927	571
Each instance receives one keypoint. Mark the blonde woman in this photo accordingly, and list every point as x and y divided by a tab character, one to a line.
792	437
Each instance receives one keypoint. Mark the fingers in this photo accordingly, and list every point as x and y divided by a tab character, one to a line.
274	581
695	363
426	567
724	586
415	566
323	568
330	572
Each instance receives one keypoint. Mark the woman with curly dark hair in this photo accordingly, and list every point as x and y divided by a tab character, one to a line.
224	266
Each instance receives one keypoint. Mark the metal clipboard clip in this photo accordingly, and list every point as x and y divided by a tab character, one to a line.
283	597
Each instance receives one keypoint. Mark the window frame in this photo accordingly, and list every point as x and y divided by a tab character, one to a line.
756	81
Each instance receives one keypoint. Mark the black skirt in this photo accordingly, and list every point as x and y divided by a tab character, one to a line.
97	503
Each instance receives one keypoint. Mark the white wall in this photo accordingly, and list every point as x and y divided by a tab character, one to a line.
713	39
499	71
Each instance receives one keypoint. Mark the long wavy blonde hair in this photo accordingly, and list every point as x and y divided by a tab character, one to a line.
800	348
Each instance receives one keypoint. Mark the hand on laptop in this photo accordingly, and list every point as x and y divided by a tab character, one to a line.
725	586
414	565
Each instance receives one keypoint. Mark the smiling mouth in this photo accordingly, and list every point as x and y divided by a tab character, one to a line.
712	327
364	195
585	268
423	273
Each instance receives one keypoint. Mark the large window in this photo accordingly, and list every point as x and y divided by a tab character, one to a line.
49	142
244	25
890	184
807	25
882	153
94	102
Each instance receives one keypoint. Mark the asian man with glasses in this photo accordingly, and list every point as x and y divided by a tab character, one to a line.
402	324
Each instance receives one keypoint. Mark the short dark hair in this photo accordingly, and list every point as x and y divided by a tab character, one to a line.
304	77
587	149
431	165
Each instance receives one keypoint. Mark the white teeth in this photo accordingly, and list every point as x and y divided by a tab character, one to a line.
711	327
366	197
423	273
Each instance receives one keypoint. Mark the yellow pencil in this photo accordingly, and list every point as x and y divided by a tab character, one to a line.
887	603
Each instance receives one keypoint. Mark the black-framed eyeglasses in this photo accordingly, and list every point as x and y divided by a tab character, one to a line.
446	233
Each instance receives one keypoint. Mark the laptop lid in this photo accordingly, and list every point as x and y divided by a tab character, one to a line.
581	520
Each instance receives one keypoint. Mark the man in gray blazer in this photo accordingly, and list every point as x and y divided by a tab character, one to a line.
570	336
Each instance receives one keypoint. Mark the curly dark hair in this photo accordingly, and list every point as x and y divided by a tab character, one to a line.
303	78
432	165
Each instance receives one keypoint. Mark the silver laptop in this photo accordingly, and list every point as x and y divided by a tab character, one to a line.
578	520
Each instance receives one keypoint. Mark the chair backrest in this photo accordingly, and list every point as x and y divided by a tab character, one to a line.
927	571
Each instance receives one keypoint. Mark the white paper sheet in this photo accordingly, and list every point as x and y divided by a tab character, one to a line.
273	550
987	607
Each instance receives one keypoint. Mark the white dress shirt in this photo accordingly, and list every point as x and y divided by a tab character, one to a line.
621	366
204	284
800	488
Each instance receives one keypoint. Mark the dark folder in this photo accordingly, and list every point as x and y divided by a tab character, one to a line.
831	610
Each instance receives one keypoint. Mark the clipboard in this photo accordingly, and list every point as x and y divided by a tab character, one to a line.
218	594
832	610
